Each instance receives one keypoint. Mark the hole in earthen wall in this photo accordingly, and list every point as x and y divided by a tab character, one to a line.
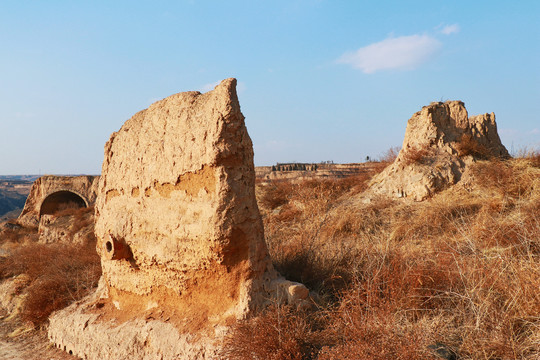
117	249
111	194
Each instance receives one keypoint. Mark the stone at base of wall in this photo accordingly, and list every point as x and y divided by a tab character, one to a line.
83	334
83	329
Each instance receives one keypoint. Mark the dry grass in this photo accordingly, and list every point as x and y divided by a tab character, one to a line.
18	234
390	155
296	251
468	145
456	276
530	155
82	217
279	333
58	275
417	155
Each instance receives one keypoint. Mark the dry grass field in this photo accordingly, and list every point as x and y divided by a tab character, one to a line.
453	277
51	276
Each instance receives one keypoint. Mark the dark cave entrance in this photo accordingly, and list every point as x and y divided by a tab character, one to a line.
59	201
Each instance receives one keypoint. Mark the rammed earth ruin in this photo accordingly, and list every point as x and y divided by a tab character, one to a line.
179	234
440	143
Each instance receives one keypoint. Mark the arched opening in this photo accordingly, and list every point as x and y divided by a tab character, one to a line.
59	201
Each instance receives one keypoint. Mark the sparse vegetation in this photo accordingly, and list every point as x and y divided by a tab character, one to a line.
390	155
278	333
56	274
14	233
470	146
456	276
416	155
81	217
453	277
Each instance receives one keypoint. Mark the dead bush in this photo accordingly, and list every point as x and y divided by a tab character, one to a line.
279	333
276	194
530	155
83	217
73	209
468	145
514	179
377	339
15	233
458	273
417	155
390	155
325	272
59	274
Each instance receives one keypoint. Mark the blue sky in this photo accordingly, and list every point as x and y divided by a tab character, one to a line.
318	80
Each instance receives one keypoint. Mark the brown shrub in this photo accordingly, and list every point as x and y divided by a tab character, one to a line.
325	272
18	234
380	339
390	155
458	272
279	333
533	156
416	155
293	235
59	274
83	217
507	178
276	194
468	145
431	220
73	209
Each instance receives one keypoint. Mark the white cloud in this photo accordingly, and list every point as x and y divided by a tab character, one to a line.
240	87
404	52
210	86
450	29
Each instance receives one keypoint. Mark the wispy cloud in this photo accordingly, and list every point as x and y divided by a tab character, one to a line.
240	87
402	53
209	86
450	29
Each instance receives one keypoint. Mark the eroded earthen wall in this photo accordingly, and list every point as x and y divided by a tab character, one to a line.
177	221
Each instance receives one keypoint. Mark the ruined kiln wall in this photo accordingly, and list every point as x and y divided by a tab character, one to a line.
440	143
85	186
177	221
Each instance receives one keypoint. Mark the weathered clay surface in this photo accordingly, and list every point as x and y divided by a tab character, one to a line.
74	229
179	233
440	142
49	186
90	330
